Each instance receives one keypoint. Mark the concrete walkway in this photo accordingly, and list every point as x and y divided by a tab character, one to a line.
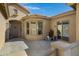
15	48
36	48
39	48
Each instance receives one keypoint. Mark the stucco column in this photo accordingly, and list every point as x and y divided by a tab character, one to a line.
77	21
7	30
2	30
23	30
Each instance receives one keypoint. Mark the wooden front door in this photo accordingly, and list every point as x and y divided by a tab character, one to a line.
15	29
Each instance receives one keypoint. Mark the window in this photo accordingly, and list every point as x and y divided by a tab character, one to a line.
33	22
40	27
27	26
34	28
63	28
15	12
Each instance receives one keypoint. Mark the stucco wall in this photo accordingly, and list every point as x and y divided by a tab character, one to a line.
37	37
19	15
77	21
72	25
2	30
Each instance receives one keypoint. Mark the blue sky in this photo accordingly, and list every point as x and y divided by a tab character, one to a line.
47	9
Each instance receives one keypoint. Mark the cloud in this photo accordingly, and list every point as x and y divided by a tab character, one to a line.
33	8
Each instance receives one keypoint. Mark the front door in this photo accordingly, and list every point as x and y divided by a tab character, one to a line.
15	29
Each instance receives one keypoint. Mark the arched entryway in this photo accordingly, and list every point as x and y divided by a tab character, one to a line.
14	29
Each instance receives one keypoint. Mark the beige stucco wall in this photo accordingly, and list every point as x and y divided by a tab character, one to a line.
19	15
2	30
72	27
53	26
77	21
37	37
